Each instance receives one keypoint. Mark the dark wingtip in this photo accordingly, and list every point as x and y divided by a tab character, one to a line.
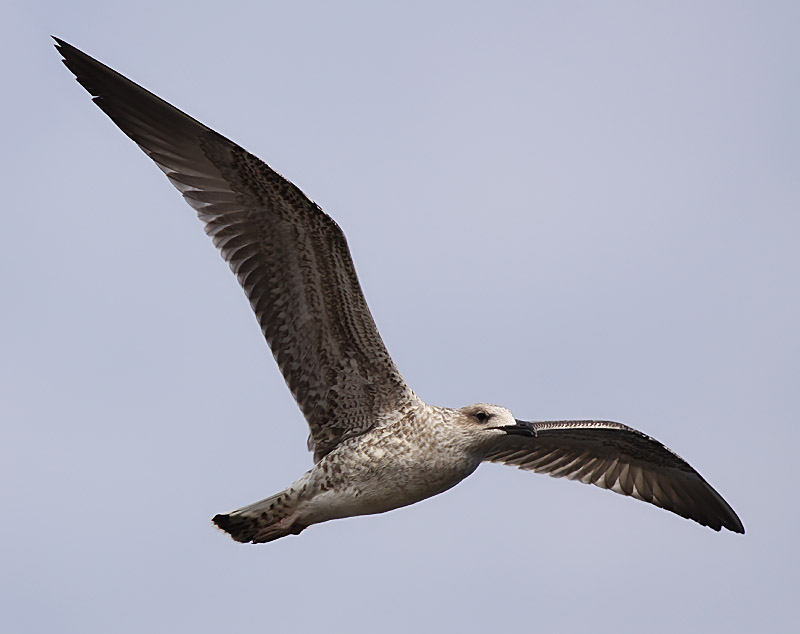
62	46
736	527
725	517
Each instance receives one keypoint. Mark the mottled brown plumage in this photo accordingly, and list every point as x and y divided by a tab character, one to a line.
376	445
290	257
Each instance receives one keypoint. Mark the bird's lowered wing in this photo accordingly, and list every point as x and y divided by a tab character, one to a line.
622	459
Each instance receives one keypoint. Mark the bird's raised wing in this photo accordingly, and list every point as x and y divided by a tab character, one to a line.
622	459
290	257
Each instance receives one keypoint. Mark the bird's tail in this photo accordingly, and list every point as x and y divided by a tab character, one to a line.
260	522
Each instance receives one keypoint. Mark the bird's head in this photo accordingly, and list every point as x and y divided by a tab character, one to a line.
483	422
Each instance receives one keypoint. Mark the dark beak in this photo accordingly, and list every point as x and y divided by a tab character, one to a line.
522	428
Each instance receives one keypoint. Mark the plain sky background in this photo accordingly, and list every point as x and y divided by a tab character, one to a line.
573	209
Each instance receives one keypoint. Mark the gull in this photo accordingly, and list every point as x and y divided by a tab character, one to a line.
376	445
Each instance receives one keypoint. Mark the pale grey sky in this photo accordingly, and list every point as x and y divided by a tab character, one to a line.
571	209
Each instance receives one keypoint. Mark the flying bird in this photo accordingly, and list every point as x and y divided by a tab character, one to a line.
376	445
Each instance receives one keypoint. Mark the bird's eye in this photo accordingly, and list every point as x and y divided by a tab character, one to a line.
481	416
